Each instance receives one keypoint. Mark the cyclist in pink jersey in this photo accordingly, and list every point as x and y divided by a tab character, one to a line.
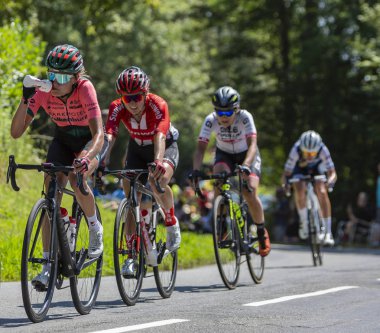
79	138
152	139
236	143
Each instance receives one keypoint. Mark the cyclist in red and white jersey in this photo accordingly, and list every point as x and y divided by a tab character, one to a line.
236	143
78	140
152	139
310	156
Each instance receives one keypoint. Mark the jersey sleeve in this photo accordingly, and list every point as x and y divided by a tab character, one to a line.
163	124
206	129
326	158
114	116
89	99
249	124
292	159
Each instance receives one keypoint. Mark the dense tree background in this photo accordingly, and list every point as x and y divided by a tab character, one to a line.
307	64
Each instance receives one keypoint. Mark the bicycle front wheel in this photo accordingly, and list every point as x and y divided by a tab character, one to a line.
165	272
314	241
129	286
226	243
37	296
256	263
85	286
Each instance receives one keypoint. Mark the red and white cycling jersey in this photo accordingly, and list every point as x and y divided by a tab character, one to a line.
232	139
155	118
81	106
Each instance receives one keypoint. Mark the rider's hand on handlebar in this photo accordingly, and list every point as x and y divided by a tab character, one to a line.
245	170
81	164
158	170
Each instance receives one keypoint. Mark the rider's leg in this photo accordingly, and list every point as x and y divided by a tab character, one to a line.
324	201
87	203
166	201
257	212
300	200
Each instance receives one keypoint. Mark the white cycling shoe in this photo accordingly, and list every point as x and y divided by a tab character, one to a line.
303	231
128	269
41	281
95	248
173	236
328	240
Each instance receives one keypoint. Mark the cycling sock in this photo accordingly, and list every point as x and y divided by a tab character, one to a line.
302	213
327	223
93	223
169	217
261	234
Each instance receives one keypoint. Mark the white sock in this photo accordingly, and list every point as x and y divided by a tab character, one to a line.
327	223
93	223
302	213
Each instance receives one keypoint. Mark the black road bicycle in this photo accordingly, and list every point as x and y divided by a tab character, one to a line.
164	263
84	273
230	231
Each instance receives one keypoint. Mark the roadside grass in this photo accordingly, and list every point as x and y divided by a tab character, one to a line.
196	249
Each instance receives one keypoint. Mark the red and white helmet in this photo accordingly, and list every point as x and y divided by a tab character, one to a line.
132	80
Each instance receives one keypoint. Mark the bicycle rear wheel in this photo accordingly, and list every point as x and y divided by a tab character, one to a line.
226	243
256	263
85	286
166	272
129	287
37	298
314	242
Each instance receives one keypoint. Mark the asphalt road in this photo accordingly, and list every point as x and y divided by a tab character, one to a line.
341	296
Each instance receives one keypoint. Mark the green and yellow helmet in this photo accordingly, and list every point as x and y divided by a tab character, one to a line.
226	97
65	58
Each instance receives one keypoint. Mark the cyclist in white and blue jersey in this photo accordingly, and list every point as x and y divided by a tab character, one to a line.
310	156
236	143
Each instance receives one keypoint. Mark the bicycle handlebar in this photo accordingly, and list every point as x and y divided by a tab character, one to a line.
223	175
307	178
134	174
49	168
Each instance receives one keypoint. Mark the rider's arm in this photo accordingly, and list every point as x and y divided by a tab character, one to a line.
331	177
21	120
251	152
159	146
199	154
96	128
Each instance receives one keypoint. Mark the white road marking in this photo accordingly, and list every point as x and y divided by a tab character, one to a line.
142	326
289	298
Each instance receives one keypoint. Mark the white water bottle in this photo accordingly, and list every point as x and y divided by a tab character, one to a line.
31	81
71	233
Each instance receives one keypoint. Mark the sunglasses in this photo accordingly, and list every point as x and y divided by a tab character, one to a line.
60	78
309	154
224	113
129	98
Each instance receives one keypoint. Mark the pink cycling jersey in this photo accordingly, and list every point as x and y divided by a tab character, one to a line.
81	106
155	118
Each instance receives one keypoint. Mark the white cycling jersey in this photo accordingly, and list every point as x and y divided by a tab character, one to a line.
231	139
295	157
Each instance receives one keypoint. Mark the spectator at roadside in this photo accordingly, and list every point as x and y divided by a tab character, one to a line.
281	215
360	217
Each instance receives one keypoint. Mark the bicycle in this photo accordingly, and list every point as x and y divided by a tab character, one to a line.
84	273
317	232
153	235
230	231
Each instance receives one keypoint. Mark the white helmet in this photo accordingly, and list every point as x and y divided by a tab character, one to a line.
310	141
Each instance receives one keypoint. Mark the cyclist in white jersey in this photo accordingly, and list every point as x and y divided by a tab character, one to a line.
236	143
310	156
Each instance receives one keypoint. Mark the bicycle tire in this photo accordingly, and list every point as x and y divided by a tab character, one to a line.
129	288
165	273
255	262
314	242
226	243
85	286
36	299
